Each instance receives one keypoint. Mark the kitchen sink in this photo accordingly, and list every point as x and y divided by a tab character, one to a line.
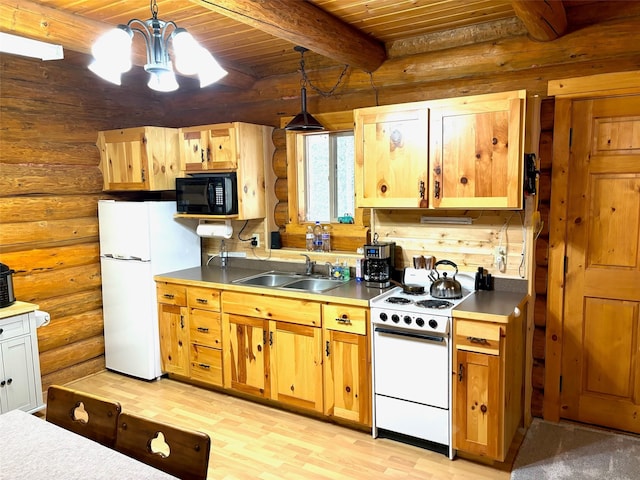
313	284
290	281
269	279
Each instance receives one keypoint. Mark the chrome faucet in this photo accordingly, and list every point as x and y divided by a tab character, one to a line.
329	269
308	264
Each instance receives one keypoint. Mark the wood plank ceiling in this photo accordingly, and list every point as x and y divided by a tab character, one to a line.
255	39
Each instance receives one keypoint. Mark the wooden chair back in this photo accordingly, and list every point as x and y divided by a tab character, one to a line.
82	413
178	451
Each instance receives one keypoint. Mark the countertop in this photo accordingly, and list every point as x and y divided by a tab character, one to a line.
349	293
17	308
491	305
494	305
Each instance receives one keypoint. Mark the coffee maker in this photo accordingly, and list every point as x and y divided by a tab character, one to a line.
378	264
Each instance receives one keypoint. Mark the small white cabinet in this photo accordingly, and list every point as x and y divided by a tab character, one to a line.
20	382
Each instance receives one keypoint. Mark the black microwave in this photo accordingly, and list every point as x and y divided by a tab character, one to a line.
211	194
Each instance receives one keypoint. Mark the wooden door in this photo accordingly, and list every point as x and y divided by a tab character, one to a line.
600	381
174	338
476	154
222	147
296	364
246	354
193	149
391	148
477	405
347	392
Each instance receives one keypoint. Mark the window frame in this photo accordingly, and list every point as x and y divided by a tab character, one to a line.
359	230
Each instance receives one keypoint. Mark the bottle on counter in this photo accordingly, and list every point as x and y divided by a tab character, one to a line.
326	238
317	237
346	273
310	237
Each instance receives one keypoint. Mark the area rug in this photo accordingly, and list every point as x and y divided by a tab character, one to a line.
562	451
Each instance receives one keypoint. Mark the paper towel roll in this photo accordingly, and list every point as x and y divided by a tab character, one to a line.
215	230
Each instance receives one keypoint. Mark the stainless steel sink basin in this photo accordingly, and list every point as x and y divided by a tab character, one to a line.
313	284
290	281
269	279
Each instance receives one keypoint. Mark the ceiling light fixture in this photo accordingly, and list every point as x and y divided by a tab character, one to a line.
112	53
304	121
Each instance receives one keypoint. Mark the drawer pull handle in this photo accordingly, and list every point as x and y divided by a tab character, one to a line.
170	296
481	341
203	329
343	320
202	301
204	365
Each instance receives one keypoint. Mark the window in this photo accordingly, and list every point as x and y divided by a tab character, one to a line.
326	183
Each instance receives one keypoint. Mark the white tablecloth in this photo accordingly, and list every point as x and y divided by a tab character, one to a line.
34	449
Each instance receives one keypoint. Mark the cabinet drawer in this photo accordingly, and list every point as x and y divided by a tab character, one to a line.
204	328
301	312
205	298
206	364
345	318
14	327
172	294
478	337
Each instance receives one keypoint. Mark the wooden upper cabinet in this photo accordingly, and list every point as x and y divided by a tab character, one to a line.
391	151
238	147
209	148
477	152
139	159
465	153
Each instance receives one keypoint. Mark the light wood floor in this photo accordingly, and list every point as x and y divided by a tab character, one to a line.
253	441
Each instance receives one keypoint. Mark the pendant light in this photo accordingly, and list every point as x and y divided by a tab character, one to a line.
304	121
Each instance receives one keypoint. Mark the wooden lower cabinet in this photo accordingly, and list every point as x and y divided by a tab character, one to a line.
487	385
347	363
297	352
173	328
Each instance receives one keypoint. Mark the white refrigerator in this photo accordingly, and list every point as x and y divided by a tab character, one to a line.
137	241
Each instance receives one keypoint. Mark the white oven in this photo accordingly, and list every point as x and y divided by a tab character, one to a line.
411	357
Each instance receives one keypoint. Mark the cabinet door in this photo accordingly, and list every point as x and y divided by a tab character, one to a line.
296	364
477	405
209	147
124	159
346	377
246	355
391	147
174	338
476	156
17	379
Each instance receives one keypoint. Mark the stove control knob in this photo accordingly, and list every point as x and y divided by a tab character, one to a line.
395	318
383	317
433	323
407	319
420	322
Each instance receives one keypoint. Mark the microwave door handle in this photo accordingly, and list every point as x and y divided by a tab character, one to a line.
211	193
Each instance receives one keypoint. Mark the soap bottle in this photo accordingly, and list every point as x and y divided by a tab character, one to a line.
346	274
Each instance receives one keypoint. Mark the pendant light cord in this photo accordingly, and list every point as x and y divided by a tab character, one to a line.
305	79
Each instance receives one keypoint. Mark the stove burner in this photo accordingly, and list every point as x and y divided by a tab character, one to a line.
434	304
398	300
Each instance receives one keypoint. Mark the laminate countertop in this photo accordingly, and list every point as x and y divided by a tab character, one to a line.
492	306
349	292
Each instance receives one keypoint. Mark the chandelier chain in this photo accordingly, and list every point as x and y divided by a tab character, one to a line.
306	80
154	9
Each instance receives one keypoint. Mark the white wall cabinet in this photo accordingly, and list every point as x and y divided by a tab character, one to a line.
20	382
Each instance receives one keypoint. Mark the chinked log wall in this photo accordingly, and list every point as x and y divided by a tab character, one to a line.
49	181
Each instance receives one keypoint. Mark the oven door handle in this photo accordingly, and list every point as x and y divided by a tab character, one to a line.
408	334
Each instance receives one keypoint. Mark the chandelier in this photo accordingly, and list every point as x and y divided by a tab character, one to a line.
112	53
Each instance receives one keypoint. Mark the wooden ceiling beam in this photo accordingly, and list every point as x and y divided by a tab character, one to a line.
545	21
77	33
304	24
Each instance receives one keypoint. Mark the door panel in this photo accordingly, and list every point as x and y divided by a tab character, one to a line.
600	361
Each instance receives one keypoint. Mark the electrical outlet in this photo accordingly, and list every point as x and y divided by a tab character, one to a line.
255	240
500	255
